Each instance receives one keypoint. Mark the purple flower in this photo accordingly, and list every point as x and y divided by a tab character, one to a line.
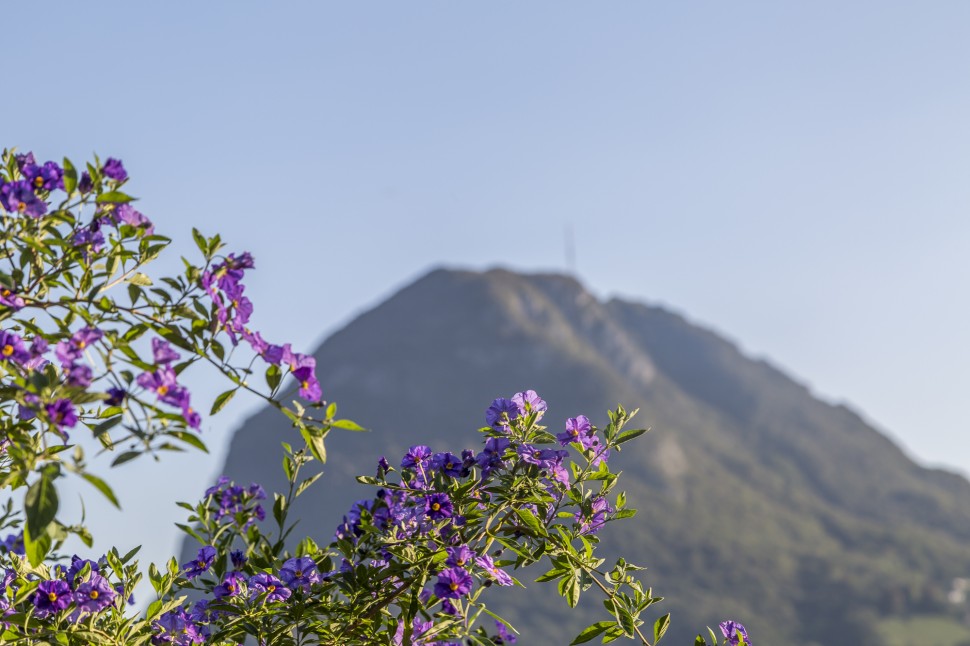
46	177
577	429
300	573
162	352
459	556
438	506
62	414
19	197
79	375
453	583
177	628
734	632
501	413
201	563
229	586
12	348
52	597
24	160
238	559
73	348
14	544
114	169
85	185
126	214
269	585
77	564
162	383
418	628
417	456
87	237
592	522
447	463
529	401
94	595
309	386
504	636
10	298
491	457
497	574
115	396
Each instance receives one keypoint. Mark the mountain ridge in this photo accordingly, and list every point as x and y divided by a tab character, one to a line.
757	499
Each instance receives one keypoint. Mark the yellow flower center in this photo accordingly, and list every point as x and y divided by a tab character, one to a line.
162	390
299	574
94	594
271	588
460	561
435	506
38	181
51	597
453	586
305	384
82	344
5	292
7	350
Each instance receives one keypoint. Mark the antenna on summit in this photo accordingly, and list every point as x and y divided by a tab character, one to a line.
570	250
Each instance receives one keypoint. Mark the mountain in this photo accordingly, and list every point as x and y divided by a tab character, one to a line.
757	500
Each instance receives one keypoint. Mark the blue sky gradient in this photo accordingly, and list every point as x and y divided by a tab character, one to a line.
792	174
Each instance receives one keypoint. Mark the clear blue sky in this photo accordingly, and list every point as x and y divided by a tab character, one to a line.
793	174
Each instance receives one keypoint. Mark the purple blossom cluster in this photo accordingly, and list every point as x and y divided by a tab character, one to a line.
240	504
85	595
734	632
235	592
223	284
163	382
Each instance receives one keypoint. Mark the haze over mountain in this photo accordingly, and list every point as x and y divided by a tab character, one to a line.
757	501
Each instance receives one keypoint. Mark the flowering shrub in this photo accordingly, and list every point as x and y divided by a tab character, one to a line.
90	343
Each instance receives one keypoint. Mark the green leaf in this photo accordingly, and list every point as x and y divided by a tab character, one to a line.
347	425
139	278
190	439
40	505
222	400
106	426
530	520
307	483
273	376
626	436
103	487
660	627
70	176
592	631
36	549
114	197
125	457
315	442
700	641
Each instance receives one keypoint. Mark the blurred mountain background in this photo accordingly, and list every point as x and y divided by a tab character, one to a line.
757	500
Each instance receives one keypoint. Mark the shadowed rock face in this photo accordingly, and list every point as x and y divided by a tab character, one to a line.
757	501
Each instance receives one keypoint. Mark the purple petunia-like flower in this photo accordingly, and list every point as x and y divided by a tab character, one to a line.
438	506
309	386
734	632
94	595
201	563
599	510
126	214
62	414
177	628
52	597
162	352
269	585
448	463
46	177
238	559
500	414
114	169
504	636
529	401
453	583
19	197
12	348
459	556
229	586
73	348
496	573
300	573
10	298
